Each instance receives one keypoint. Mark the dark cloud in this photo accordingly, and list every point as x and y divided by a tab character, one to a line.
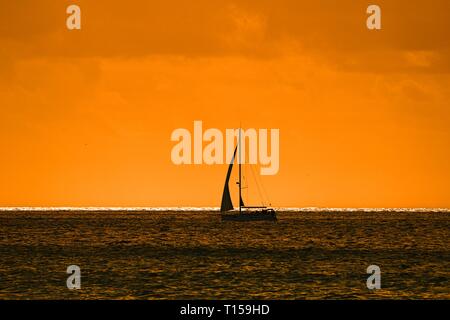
334	30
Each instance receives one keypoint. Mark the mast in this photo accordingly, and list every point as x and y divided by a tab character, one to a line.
240	189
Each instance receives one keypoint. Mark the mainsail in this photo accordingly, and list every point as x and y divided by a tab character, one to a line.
227	204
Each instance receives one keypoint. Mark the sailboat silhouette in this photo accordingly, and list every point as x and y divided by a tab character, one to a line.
245	213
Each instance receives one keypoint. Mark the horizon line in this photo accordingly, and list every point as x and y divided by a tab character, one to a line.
206	208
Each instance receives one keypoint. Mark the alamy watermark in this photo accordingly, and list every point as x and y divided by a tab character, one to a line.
373	22
374	280
74	280
73	20
253	147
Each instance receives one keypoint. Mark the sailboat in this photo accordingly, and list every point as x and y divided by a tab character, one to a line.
245	213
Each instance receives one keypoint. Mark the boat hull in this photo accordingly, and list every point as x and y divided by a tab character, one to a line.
253	216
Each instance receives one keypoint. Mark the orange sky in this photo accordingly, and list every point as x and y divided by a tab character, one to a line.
86	116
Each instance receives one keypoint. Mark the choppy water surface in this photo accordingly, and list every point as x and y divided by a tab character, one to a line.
184	255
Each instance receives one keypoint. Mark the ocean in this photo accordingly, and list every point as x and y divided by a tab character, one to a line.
192	254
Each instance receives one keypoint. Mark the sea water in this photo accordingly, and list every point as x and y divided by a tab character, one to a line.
192	254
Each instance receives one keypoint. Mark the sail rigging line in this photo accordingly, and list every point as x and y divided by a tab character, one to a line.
257	186
245	185
265	192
